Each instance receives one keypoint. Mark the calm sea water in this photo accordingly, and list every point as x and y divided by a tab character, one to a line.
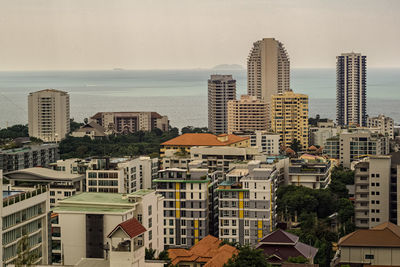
179	94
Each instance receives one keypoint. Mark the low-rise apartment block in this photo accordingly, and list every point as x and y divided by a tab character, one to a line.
121	175
186	205
385	124
247	203
61	185
85	220
28	156
351	146
310	171
131	122
247	114
266	142
24	218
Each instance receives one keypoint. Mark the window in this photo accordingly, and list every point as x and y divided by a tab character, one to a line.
150	234
369	256
52	193
171	231
150	210
139	218
150	223
171	241
171	222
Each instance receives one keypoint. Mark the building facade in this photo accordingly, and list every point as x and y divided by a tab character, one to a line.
266	142
386	124
247	204
372	191
85	220
221	89
121	175
48	115
351	146
131	122
310	171
28	156
268	69
247	114
24	215
351	89
186	205
289	118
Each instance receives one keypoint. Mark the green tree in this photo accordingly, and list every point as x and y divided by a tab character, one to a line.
298	259
163	255
296	145
73	125
14	131
248	257
25	257
149	254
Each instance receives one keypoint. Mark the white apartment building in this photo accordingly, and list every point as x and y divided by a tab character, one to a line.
221	89
186	205
266	142
24	215
247	203
121	175
385	124
310	171
372	182
268	69
85	220
61	184
48	115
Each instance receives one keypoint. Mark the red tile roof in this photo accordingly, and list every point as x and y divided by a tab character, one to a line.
207	251
204	139
131	227
383	235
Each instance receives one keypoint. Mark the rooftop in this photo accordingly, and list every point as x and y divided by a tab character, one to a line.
207	251
204	139
42	174
131	227
383	235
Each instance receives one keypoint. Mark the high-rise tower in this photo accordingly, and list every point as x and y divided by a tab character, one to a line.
221	89
351	95
268	69
48	115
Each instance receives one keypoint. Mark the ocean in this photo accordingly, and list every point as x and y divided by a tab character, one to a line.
179	94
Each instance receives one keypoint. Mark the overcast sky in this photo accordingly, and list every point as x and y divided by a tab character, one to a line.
170	34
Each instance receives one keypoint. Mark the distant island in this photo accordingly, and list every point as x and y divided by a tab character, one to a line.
228	67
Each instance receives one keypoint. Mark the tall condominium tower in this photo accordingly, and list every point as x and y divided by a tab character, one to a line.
221	89
247	114
289	118
268	69
351	99
48	115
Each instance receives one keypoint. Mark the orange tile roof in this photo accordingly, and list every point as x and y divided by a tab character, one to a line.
207	250
383	235
203	139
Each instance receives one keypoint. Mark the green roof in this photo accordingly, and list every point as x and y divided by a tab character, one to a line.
233	189
94	197
99	209
181	181
142	192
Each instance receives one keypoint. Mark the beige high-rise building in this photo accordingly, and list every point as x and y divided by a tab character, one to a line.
289	118
48	115
221	89
385	124
268	69
247	114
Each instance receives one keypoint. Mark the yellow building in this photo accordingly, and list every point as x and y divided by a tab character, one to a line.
185	141
289	118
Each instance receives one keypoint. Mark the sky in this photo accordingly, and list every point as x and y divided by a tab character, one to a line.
179	34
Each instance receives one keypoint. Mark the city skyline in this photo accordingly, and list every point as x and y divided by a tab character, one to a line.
122	34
